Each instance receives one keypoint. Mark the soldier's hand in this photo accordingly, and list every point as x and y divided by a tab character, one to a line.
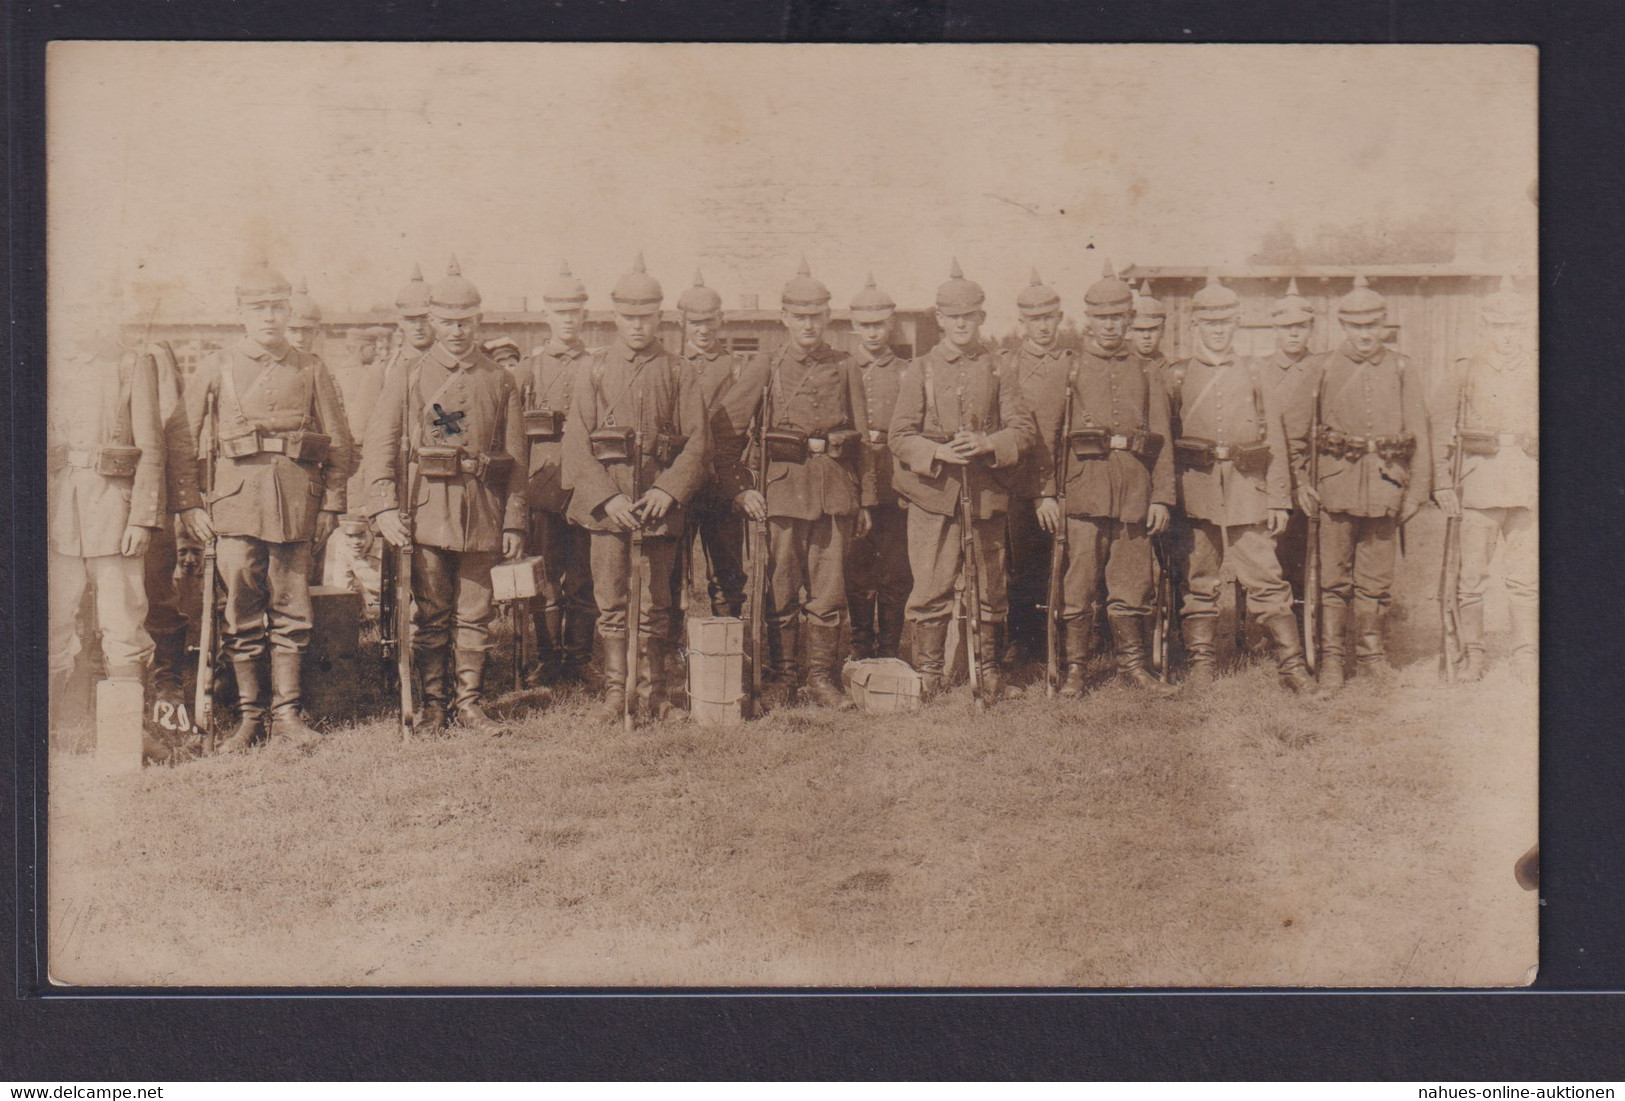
654	505
1048	510
865	523
621	512
1308	500
945	453
1448	502
513	545
392	529
1275	523
135	541
196	523
1157	519
753	505
326	522
971	444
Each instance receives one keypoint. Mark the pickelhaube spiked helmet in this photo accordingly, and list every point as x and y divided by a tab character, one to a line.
959	295
1215	302
1108	294
1505	306
699	302
262	283
637	293
1149	312
454	296
566	292
1292	307
304	306
872	303
1037	297
1362	303
804	294
412	300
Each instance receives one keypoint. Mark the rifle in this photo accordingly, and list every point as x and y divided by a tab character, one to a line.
1163	612
406	496
387	642
208	644
634	576
756	556
1057	553
1451	652
970	570
1311	552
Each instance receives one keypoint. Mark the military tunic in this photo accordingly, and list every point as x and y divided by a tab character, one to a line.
1221	397
648	390
811	504
96	401
1041	373
264	504
166	623
935	388
877	575
458	521
354	559
714	372
1108	498
1284	376
547	381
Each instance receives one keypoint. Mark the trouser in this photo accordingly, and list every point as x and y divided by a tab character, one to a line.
566	552
1357	555
1029	549
934	554
1251	552
451	589
877	575
267	596
1520	565
1109	553
722	542
166	624
807	556
610	569
121	611
355	561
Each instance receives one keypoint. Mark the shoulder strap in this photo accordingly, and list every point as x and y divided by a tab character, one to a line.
228	387
928	379
123	430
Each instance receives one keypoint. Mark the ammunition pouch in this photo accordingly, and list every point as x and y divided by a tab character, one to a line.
1395	449
1247	458
1480	443
1391	449
612	445
300	446
842	443
786	445
1194	452
668	445
544	424
115	461
1146	445
240	447
307	447
440	462
493	466
1090	443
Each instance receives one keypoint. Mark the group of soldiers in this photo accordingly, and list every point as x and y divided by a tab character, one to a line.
850	492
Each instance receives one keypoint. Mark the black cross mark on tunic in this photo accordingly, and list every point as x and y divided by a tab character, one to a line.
448	421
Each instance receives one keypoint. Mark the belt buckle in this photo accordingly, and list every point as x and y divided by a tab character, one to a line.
876	435
274	444
1221	452
816	445
1119	442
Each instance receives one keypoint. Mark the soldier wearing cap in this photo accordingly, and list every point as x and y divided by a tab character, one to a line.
1146	332
504	351
564	614
283	453
877	576
713	369
1119	489
634	390
305	319
1500	476
1040	367
1293	317
955	409
461	414
820	484
1231	466
1375	473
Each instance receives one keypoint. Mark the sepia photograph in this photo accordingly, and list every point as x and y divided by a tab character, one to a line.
539	516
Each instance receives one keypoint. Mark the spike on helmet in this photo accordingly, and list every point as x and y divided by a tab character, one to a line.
262	283
959	296
303	306
699	302
1037	299
637	293
1108	295
454	296
1362	303
1291	308
1215	302
412	300
872	303
804	294
1148	311
566	292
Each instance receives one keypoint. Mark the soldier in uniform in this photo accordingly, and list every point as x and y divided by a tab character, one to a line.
1375	473
1284	371
634	388
461	414
305	320
504	352
1500	478
954	409
1040	367
564	614
820	486
877	577
1231	464
714	370
284	452
1145	335
1119	488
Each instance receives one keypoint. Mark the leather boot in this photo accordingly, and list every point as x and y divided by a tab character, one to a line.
1075	654
863	640
1525	614
655	657
169	666
1283	631
727	606
251	695
469	711
890	636
549	624
930	643
783	670
580	628
1370	657
1128	639
994	686
286	722
823	644
1470	619
436	692
613	705
1333	623
1198	632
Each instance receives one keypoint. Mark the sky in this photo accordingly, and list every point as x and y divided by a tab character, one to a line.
345	164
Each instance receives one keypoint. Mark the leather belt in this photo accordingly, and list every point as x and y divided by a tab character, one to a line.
85	460
816	445
1225	452
877	435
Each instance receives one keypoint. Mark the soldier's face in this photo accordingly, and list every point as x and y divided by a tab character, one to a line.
637	330
962	329
701	333
1109	329
566	325
367	351
1216	332
873	335
806	329
1294	338
1364	335
1042	329
419	333
506	356
302	336
1506	337
266	323
1146	339
456	334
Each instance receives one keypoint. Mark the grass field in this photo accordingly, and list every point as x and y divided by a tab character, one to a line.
1241	838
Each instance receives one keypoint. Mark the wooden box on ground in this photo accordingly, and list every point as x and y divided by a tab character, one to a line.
332	666
517	580
716	670
882	686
